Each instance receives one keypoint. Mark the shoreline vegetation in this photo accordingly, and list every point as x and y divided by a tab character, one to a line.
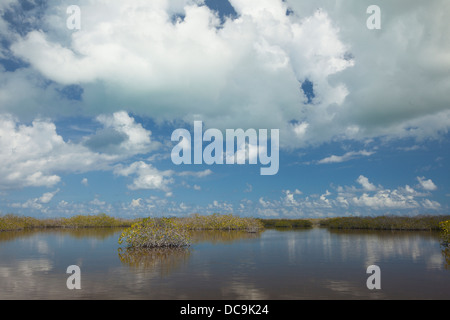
413	223
286	223
174	231
12	222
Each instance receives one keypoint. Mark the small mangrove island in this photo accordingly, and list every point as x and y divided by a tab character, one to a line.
174	232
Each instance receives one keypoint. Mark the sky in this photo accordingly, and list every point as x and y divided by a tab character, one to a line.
92	91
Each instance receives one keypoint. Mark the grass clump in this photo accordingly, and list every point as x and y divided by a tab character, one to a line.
386	222
155	232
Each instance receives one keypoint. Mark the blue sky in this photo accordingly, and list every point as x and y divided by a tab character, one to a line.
86	116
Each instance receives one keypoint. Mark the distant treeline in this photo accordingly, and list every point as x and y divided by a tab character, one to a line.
193	222
386	222
14	222
286	223
230	222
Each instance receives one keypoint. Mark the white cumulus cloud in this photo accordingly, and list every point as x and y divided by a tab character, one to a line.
426	184
145	176
346	157
35	155
365	183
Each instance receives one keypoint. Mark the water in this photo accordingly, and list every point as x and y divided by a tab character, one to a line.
298	264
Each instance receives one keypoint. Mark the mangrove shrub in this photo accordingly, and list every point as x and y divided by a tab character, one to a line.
445	227
155	232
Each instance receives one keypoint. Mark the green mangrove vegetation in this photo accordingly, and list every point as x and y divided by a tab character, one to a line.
94	221
221	222
445	228
11	222
155	232
386	222
445	241
286	223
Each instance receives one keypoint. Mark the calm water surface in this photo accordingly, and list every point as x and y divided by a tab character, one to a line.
298	264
